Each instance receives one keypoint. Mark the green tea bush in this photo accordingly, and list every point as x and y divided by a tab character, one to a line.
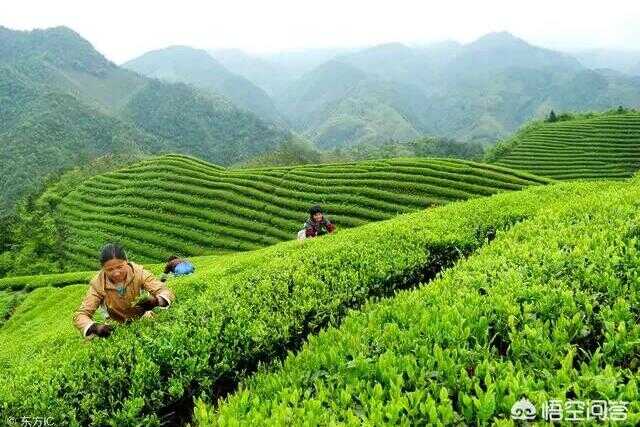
547	311
598	146
8	302
236	312
179	204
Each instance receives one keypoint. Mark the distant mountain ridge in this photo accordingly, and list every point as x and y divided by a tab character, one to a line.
624	61
270	76
197	67
497	51
481	91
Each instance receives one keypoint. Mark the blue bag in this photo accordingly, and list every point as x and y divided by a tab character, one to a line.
185	267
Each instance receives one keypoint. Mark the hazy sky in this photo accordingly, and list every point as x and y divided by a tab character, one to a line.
124	29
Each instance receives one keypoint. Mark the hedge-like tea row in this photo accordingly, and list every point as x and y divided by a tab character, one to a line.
60	280
8	302
177	204
56	280
605	146
237	311
547	311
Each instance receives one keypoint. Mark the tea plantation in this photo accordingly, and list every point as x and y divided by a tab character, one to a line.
454	329
603	146
177	204
547	311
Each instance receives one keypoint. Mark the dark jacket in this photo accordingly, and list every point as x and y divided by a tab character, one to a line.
313	229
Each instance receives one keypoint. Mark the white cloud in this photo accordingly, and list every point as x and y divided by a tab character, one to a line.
124	29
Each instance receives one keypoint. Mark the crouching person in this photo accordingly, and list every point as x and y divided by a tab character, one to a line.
317	224
178	267
117	287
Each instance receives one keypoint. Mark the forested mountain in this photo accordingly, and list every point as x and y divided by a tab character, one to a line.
395	61
481	91
42	132
296	63
274	72
323	86
62	102
192	123
197	67
477	92
339	105
497	51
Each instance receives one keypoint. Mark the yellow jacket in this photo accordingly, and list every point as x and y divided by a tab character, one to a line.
119	302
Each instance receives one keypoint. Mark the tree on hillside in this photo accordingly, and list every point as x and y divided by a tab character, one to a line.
293	151
552	117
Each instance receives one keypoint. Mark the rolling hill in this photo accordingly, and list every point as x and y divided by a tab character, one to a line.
62	101
591	146
176	204
460	347
197	67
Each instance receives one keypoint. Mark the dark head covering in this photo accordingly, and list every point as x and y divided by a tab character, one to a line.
112	251
314	210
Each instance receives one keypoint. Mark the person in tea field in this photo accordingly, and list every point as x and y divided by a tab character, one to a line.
178	267
117	287
317	224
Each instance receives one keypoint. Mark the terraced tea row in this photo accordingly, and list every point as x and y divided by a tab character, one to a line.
60	280
176	204
236	311
547	311
604	146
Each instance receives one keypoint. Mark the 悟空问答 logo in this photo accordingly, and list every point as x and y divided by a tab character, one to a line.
523	409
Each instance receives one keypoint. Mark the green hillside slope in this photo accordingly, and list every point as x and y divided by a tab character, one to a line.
602	146
240	310
547	311
197	67
61	101
42	132
176	204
